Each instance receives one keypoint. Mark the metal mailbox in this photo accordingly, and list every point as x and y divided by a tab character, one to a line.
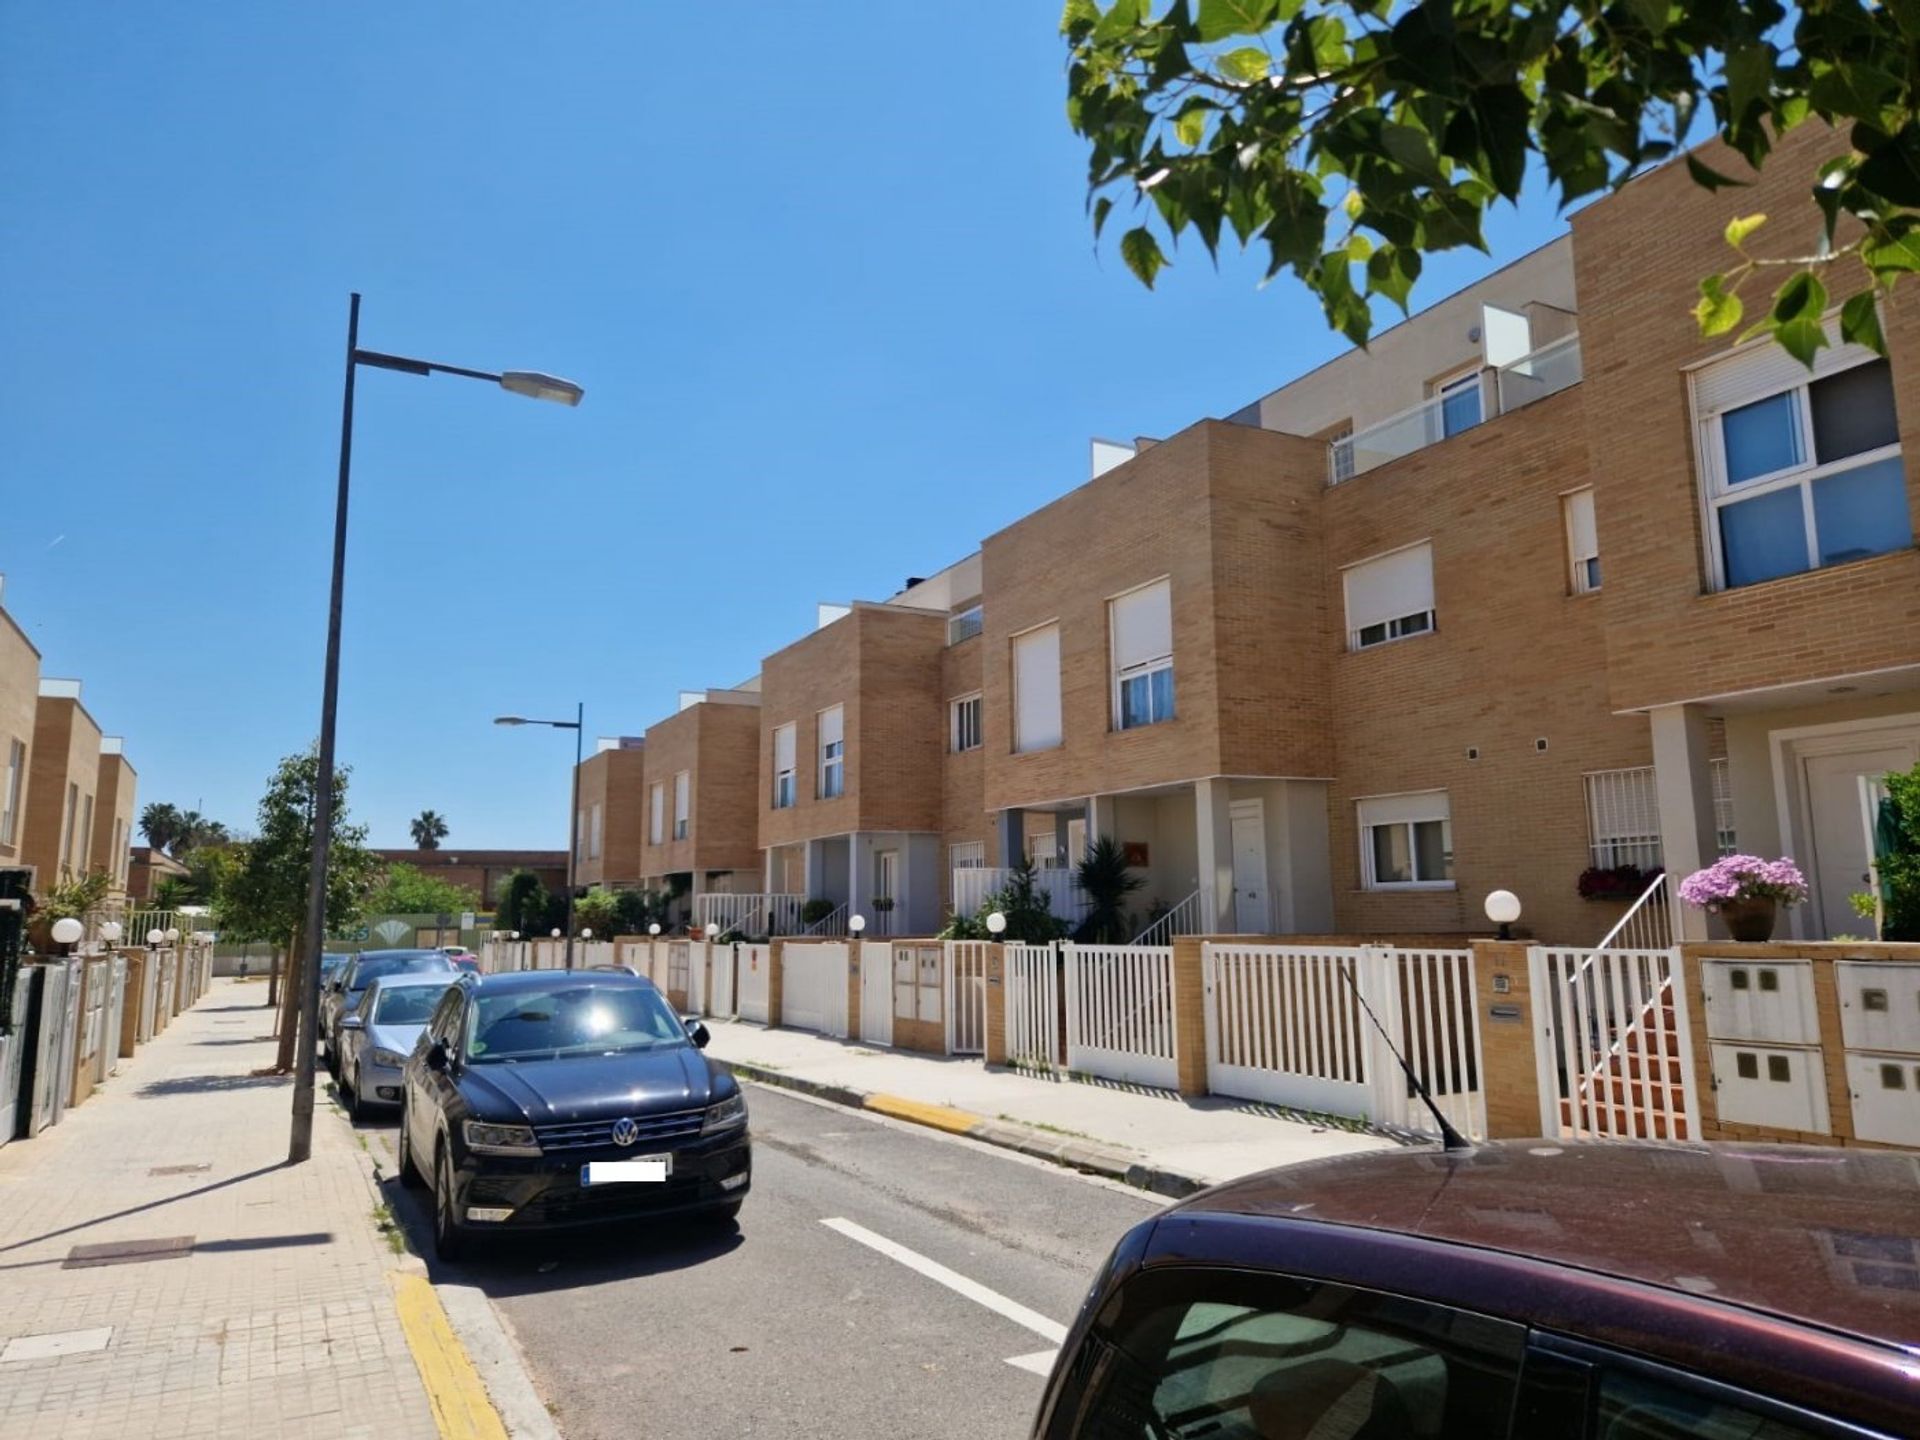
1776	1086
1768	1000
1879	1004
1886	1097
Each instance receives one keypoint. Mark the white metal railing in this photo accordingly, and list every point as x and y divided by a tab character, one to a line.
1617	1062
966	967
749	914
1546	371
1033	1005
1648	923
973	884
965	625
832	923
1120	1013
1182	919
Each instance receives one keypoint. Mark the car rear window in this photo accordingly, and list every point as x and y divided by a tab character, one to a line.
370	970
570	1018
1231	1355
410	1005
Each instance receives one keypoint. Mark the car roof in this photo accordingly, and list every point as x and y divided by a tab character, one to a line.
1826	1236
413	978
543	979
399	954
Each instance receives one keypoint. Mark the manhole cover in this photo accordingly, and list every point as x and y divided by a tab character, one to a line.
193	1169
129	1252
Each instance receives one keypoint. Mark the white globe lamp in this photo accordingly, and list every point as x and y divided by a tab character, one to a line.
996	924
855	924
68	931
1503	908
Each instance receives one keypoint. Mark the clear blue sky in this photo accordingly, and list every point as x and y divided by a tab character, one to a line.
826	277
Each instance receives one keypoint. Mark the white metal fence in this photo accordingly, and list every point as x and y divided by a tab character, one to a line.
973	884
1032	982
749	914
721	999
1615	1054
876	992
755	973
1120	1012
966	997
813	987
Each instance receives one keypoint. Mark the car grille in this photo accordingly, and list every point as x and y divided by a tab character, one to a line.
598	1134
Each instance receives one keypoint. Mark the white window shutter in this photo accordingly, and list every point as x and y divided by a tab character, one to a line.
832	727
1762	368
783	748
1142	625
1390	586
657	823
1582	537
1036	689
682	794
1405	809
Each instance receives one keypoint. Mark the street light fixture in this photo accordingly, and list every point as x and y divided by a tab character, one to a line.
68	931
855	924
1503	908
155	938
654	928
996	924
520	382
579	728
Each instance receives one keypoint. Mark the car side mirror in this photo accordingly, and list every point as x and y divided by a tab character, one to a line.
351	1022
697	1032
437	1056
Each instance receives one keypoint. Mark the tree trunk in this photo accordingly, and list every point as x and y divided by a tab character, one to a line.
273	976
299	973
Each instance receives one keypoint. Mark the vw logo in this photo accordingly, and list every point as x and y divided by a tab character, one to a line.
625	1132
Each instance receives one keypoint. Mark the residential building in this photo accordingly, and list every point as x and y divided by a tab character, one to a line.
610	820
699	814
482	871
147	868
19	703
112	849
62	788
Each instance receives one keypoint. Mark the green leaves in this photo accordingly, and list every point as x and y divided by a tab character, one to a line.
1142	254
1892	171
1247	64
1860	322
1219	19
1740	227
1719	309
1798	307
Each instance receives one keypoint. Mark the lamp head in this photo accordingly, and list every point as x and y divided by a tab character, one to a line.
856	923
996	924
510	720
1503	907
111	932
173	934
156	937
654	928
536	386
556	932
68	931
516	934
586	934
713	930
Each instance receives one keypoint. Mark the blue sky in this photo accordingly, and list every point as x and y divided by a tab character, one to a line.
827	279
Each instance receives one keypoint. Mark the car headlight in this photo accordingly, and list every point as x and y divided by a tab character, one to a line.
386	1059
729	1113
501	1139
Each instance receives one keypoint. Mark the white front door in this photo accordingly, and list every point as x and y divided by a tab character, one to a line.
1076	842
1251	914
1839	850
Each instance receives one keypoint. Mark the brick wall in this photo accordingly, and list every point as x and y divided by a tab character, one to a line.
615	780
115	808
19	697
715	744
963	777
65	752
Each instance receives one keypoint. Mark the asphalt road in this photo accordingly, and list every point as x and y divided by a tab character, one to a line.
792	1326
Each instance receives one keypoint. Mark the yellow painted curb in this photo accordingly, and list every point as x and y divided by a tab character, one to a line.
461	1409
940	1117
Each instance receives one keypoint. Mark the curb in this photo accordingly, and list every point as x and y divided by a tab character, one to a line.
1090	1157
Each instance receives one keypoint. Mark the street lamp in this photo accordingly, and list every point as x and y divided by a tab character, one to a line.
155	938
1503	908
855	924
578	726
996	924
111	932
68	931
654	928
519	382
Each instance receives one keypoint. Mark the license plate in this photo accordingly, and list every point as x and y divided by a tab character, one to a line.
641	1169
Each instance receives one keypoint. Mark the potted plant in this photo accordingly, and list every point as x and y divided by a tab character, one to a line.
1745	892
1615	882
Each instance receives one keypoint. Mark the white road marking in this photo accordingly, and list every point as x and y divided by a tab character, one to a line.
1040	1362
993	1300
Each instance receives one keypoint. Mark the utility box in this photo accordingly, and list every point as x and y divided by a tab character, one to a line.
1761	1000
1886	1097
1775	1086
1879	1004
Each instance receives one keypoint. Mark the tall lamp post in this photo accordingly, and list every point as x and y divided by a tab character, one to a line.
577	725
520	382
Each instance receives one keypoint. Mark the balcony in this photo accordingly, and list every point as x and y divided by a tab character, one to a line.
973	884
1492	391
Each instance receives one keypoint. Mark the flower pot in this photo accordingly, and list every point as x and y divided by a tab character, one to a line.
1750	920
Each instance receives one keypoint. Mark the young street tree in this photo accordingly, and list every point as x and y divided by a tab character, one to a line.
429	828
406	890
1352	140
267	898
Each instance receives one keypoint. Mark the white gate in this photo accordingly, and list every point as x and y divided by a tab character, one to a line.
720	981
1032	985
876	993
966	997
678	966
698	954
813	988
754	972
1120	1012
1614	1050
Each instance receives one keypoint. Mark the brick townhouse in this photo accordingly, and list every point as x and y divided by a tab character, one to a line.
19	703
608	831
63	785
697	812
111	852
1540	581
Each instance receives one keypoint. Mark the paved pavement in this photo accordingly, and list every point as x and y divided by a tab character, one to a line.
280	1319
816	1316
1208	1140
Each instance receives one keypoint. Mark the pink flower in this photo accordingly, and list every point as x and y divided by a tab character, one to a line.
1744	877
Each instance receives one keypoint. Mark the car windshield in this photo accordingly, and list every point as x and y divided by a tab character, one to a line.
569	1018
370	970
407	1005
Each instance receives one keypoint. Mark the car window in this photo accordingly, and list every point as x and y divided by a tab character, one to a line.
1632	1405
408	1005
1230	1355
370	970
442	1021
569	1017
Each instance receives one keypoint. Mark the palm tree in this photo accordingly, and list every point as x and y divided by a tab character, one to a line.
429	829
186	835
160	824
1107	881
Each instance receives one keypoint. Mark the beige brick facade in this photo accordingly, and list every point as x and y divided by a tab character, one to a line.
62	808
19	702
613	787
116	806
714	744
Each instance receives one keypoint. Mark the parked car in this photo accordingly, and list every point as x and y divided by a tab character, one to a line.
378	1034
551	1099
1610	1291
343	992
466	964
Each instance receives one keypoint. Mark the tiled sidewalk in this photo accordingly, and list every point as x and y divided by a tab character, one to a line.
281	1319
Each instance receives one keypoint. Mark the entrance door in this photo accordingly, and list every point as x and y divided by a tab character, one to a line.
886	872
1841	851
1251	913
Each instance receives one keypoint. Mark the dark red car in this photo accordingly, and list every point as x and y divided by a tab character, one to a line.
1538	1290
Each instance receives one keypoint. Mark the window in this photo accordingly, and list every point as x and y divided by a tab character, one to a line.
1801	471
16	778
119	866
579	835
1647	1402
1390	597
67	826
657	815
1583	543
594	831
1141	626
833	753
1221	1352
1406	842
783	753
964	724
967	624
86	833
682	803
967	855
1036	689
1340	454
1623	816
1459	402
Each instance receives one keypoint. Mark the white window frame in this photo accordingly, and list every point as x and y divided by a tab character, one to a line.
69	823
1710	449
16	783
1400	627
1060	699
1620	791
657	813
1583	561
1340	456
834	766
1140	669
1444	814
596	829
965	624
86	835
967	855
783	778
682	804
1444	388
958	730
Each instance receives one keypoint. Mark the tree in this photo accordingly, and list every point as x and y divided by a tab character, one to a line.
598	911
160	824
407	890
1353	139
268	895
179	832
522	904
429	828
635	910
1106	880
1029	914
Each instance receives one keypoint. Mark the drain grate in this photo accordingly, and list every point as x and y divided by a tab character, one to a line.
193	1169
128	1252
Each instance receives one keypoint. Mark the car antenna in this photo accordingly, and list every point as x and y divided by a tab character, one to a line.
1450	1138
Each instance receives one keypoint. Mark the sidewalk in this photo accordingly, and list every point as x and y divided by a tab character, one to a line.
1148	1137
275	1313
